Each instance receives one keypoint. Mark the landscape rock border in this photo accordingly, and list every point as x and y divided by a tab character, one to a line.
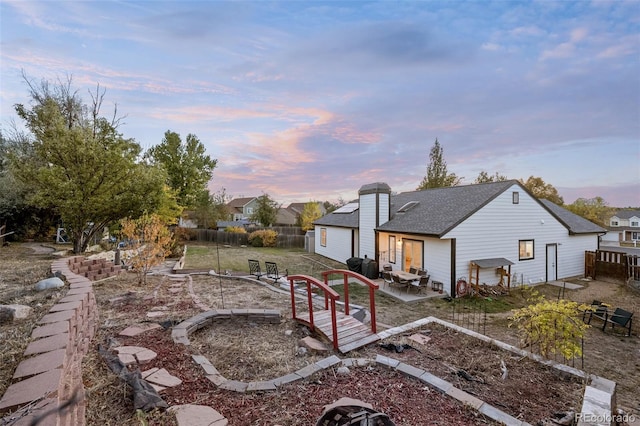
599	396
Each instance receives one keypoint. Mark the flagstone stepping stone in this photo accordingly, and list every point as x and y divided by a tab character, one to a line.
162	377
134	330
131	354
198	415
155	314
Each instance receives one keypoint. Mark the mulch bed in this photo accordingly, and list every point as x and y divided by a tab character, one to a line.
407	402
531	391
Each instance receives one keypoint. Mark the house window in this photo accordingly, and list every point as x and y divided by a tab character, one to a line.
392	249
249	210
515	197
634	224
614	223
525	249
323	237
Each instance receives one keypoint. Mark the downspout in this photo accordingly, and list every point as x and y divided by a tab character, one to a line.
453	268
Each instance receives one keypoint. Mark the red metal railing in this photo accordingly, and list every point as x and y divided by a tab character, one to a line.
330	297
372	288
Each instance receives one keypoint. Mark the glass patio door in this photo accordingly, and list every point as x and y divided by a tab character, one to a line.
412	254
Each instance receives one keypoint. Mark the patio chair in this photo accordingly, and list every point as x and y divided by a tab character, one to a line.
254	268
423	283
398	283
621	318
413	270
597	308
422	272
272	271
387	268
386	278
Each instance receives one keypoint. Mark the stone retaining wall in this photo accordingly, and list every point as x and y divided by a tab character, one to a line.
47	386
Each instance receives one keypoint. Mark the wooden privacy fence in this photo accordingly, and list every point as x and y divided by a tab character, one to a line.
613	264
287	237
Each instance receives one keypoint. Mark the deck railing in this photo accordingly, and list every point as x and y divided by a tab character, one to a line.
330	298
372	288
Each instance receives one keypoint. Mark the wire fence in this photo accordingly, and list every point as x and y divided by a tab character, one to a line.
472	312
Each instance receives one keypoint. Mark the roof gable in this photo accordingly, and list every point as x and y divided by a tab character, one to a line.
436	211
240	202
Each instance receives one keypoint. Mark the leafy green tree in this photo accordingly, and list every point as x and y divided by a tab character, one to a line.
188	167
543	190
266	210
310	213
484	177
12	194
437	174
330	207
75	161
594	209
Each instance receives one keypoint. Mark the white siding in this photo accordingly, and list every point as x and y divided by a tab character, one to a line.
437	261
495	230
436	256
571	254
367	225
338	243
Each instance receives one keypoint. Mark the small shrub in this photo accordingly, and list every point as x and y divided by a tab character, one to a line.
263	238
235	230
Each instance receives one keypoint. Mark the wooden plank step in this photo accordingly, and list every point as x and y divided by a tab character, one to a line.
358	344
343	340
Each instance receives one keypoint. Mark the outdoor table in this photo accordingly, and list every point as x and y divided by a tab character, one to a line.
412	280
406	276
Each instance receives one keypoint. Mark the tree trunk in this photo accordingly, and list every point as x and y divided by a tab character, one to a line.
145	396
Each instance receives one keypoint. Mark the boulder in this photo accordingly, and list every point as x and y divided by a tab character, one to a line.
48	283
13	312
313	345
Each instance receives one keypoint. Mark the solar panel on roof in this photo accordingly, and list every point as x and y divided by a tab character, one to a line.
348	208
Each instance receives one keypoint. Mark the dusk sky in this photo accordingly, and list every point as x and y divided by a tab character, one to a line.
310	101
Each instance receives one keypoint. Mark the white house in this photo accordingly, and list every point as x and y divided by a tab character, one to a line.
624	226
443	230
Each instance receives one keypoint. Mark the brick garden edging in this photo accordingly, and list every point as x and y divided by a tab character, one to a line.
47	385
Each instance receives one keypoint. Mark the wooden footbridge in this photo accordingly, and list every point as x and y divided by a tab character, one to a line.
344	331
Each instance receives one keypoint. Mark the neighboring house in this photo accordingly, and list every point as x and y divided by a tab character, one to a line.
624	226
291	214
242	208
285	217
444	229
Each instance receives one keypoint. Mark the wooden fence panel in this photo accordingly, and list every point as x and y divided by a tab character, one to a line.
614	264
290	238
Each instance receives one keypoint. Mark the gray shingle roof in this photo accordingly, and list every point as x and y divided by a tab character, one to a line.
627	214
441	209
343	220
574	223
